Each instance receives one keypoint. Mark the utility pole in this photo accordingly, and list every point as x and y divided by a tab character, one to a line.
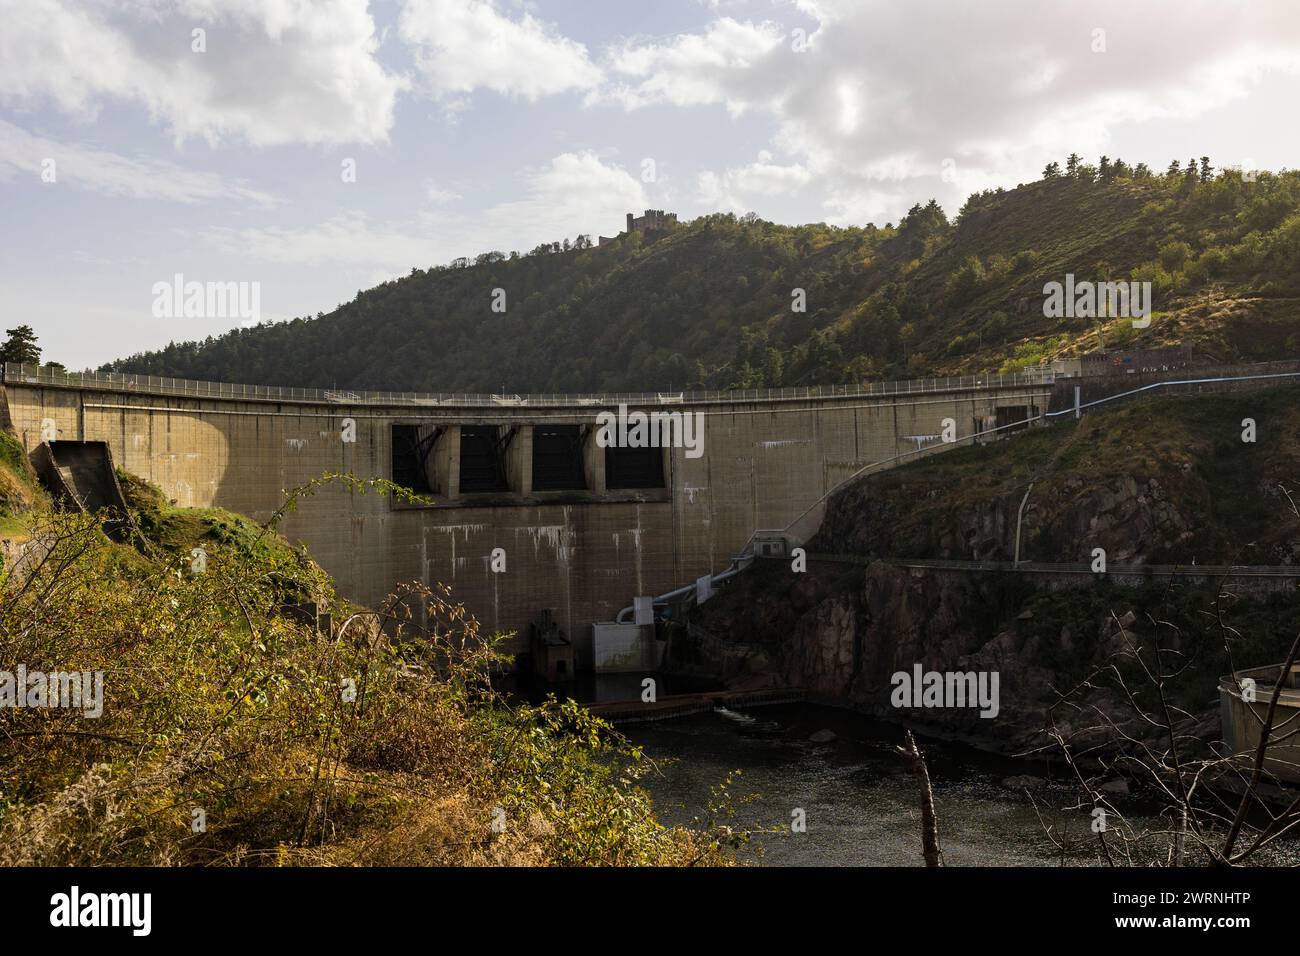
1020	514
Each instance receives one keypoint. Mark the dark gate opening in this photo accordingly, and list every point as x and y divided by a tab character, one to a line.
557	458
1012	418
411	447
482	464
634	467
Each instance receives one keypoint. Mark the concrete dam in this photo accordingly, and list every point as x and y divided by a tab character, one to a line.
582	529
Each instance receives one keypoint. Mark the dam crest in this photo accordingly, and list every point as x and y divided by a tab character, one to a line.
583	529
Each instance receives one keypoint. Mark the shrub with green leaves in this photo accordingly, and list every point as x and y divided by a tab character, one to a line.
239	729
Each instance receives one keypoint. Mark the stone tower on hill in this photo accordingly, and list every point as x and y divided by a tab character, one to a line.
653	219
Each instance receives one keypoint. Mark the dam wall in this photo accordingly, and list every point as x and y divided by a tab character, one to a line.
582	529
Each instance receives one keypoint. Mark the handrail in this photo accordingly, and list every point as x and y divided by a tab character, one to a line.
117	381
1185	381
737	565
1078	567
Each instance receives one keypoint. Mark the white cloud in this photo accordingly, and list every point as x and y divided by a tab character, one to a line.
23	154
697	69
437	194
464	45
348	240
884	92
573	193
274	71
737	186
768	178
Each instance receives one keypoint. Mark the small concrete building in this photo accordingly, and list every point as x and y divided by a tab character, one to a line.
771	544
552	651
1169	358
626	648
1244	700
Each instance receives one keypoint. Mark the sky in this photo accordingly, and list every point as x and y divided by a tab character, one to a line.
313	148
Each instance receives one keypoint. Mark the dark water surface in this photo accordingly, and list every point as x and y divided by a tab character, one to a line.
861	803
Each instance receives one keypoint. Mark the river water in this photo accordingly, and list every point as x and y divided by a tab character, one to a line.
860	803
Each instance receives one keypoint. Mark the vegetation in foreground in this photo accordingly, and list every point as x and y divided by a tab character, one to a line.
235	731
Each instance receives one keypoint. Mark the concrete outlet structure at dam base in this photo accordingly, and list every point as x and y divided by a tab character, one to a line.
528	512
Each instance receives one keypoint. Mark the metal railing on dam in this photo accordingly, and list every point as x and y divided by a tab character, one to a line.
683	705
1076	567
189	388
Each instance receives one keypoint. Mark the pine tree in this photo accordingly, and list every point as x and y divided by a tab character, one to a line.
1051	170
21	346
1174	169
1206	169
1072	164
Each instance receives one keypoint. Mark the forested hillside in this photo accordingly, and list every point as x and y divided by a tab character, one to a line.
711	303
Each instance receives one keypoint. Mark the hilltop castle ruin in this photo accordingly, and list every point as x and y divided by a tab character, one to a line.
653	219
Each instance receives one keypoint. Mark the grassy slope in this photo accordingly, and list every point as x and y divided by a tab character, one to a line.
177	530
1190	445
23	501
20	490
1095	230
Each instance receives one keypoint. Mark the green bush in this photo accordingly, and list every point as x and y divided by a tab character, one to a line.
379	741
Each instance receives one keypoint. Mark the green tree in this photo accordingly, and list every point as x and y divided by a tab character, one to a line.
21	346
1173	254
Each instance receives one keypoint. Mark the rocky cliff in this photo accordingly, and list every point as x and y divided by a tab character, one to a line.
1164	482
